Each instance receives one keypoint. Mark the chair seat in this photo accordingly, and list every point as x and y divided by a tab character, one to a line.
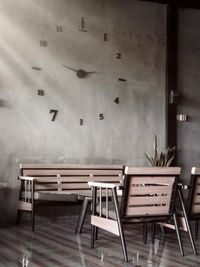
52	196
111	210
112	214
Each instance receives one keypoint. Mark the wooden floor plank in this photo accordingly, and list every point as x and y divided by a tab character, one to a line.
55	244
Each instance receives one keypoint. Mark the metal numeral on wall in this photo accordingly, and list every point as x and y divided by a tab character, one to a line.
81	121
116	100
43	43
101	116
105	37
36	68
2	103
54	111
82	26
118	56
59	28
122	80
40	92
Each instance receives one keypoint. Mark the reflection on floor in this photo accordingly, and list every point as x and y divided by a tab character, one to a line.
55	245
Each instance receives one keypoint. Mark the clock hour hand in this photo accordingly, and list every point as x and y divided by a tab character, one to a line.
89	72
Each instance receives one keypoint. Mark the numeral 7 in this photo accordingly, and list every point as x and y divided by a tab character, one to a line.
54	111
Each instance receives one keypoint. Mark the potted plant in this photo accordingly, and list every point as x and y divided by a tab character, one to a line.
162	159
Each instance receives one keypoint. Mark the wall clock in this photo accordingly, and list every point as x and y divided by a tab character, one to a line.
80	73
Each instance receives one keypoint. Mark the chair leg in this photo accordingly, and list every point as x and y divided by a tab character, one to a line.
121	231
187	222
178	234
33	217
196	229
96	233
145	232
123	245
163	230
93	230
82	216
191	236
153	231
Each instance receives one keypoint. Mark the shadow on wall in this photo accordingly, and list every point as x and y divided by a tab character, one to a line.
4	192
2	103
189	101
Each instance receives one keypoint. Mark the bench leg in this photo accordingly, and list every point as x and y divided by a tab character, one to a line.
18	216
82	215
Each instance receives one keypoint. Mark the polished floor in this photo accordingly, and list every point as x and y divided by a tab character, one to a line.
54	244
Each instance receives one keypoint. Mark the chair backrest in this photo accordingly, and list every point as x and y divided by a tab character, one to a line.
149	192
194	193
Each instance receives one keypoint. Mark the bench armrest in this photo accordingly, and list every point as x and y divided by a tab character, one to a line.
105	185
27	178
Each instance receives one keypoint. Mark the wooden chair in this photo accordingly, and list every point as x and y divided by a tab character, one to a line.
189	208
193	200
148	196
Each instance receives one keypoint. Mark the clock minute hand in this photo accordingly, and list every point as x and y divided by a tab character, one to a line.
69	68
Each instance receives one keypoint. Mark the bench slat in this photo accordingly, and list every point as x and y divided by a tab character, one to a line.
47	179
70	166
39	187
70	172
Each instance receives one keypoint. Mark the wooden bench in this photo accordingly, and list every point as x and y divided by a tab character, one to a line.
61	183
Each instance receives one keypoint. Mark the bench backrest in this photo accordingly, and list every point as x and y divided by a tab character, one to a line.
59	177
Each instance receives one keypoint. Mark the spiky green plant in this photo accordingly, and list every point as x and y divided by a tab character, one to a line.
162	159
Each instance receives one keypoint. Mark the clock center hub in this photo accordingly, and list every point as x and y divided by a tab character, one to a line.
81	73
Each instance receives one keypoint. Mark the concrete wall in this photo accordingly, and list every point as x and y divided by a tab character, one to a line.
188	88
134	29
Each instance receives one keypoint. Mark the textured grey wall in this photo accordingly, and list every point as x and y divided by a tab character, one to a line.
134	29
189	93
